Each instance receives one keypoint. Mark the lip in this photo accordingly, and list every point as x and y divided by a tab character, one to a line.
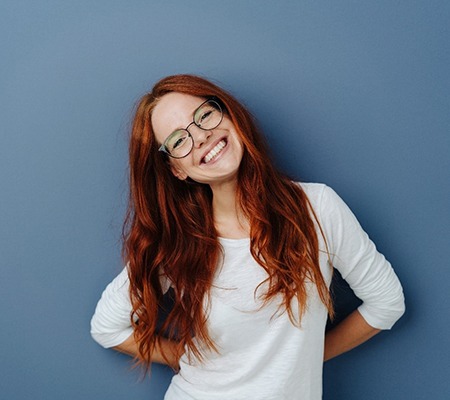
213	144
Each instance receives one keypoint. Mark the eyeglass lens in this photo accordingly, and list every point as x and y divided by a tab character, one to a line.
208	116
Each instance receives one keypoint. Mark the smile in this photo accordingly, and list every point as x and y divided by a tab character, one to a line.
215	151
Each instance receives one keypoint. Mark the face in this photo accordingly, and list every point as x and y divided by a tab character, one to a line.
217	153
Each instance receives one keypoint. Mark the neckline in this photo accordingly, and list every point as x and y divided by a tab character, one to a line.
234	242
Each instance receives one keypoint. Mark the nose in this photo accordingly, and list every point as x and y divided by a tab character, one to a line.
200	136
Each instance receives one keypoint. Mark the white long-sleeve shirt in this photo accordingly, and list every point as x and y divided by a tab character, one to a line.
262	355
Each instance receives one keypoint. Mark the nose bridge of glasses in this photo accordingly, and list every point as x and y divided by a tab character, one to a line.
198	134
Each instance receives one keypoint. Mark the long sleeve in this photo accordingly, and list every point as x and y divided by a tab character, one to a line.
111	324
368	273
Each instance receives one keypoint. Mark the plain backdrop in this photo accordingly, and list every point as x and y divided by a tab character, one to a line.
354	94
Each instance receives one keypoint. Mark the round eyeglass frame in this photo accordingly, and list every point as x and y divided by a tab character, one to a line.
216	105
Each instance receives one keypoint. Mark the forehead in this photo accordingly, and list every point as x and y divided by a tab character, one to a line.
173	111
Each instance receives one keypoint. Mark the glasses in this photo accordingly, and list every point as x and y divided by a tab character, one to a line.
180	143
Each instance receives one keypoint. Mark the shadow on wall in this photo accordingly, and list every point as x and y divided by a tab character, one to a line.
345	301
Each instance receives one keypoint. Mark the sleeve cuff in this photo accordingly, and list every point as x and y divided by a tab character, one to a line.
112	340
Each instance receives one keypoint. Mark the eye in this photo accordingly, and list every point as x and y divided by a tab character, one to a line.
178	143
204	116
176	140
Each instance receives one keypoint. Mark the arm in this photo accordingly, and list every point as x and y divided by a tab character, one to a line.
111	324
351	332
166	346
368	273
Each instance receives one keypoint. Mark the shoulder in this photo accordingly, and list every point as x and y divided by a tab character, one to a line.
325	202
313	190
318	194
120	282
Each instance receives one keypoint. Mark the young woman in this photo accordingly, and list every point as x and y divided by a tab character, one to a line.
247	254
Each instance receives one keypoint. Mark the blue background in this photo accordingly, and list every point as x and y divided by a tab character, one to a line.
354	94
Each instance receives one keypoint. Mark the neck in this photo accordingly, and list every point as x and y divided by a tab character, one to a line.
228	217
224	199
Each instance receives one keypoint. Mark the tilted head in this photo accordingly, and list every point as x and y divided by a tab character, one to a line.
208	150
198	137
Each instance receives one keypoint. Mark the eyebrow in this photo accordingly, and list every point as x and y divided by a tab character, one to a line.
193	115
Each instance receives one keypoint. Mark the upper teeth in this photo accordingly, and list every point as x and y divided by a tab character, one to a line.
216	150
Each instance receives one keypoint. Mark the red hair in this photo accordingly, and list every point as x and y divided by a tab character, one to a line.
169	228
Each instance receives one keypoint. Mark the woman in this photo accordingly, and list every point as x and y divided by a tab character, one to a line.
247	253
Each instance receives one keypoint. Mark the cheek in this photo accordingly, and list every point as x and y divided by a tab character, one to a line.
180	164
239	144
237	138
178	169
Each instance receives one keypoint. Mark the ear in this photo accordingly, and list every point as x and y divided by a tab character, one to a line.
181	175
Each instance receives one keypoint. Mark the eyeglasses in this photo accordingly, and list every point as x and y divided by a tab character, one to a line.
180	143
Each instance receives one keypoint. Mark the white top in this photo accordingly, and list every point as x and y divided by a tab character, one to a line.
263	355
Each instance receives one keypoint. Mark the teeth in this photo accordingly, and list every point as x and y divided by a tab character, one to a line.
216	150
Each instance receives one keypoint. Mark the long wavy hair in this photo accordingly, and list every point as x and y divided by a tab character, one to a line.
169	231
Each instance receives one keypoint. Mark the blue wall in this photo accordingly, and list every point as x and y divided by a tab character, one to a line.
354	94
